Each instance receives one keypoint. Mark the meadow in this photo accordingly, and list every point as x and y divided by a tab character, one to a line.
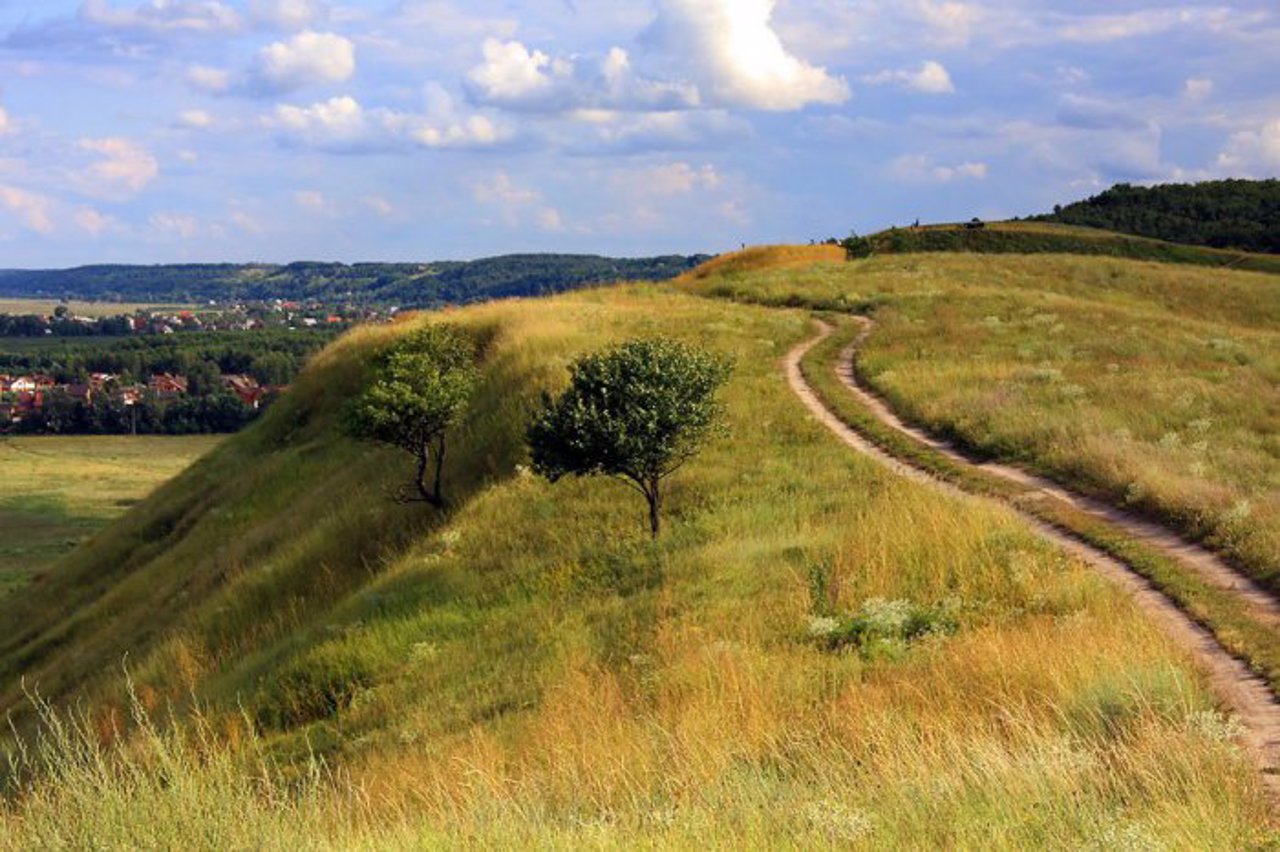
529	670
1151	385
45	307
57	491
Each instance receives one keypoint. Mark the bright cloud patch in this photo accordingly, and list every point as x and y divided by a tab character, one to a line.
737	58
288	14
923	169
342	123
931	78
164	16
31	209
124	168
1253	152
306	59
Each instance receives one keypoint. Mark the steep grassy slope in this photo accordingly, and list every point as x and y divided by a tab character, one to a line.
530	670
1149	384
1045	238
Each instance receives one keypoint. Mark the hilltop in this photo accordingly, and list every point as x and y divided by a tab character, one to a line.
420	285
527	669
1229	214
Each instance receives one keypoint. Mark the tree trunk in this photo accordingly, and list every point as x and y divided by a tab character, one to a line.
439	498
424	462
654	496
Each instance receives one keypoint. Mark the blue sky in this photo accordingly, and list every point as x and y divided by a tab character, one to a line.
277	130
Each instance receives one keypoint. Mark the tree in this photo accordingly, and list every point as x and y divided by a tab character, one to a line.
637	412
856	247
421	386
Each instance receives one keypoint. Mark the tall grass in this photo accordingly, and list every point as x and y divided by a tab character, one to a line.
529	670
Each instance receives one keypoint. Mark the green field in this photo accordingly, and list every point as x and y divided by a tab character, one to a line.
56	491
45	307
528	671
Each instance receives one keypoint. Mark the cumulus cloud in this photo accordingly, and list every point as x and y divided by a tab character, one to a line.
33	211
342	123
1253	153
737	59
195	119
514	77
91	221
931	78
920	168
672	179
179	225
306	59
123	169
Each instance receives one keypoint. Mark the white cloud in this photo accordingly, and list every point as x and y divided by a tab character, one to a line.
288	14
124	168
500	189
379	205
920	168
549	219
1157	21
1253	153
950	23
208	17
91	221
195	119
314	201
306	59
175	224
671	179
33	210
208	79
736	57
931	78
342	123
512	73
1198	89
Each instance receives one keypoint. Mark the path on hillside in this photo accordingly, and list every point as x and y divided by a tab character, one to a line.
1239	689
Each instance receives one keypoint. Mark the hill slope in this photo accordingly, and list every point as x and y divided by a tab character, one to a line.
529	670
1228	214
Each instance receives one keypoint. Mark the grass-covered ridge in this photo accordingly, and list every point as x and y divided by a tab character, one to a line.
529	670
1047	238
1148	384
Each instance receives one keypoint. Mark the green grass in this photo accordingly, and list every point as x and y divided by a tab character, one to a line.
1045	238
57	491
1149	385
529	671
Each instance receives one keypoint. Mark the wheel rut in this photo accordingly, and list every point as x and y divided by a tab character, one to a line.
1241	691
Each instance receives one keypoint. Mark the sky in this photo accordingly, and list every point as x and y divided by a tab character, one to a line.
413	130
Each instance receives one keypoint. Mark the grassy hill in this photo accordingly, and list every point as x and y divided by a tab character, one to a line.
529	670
405	284
1049	238
1233	214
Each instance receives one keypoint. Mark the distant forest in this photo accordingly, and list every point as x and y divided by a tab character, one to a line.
1228	214
419	285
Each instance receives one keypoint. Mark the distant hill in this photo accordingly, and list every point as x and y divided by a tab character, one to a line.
405	284
1228	214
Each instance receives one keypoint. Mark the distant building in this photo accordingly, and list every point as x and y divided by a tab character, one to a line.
167	384
246	388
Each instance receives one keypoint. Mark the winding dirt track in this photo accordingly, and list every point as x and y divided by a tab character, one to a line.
1242	692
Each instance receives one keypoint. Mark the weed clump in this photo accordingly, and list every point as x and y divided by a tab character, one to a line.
881	626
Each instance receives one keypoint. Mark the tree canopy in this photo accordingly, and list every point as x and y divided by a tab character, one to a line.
636	412
420	387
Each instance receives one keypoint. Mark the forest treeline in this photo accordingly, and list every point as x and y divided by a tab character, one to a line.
1227	214
420	285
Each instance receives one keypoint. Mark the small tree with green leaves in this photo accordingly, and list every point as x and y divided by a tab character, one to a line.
637	412
420	387
856	247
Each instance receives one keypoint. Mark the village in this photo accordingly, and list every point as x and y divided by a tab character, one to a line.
27	396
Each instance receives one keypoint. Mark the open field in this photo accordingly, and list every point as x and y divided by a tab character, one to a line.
56	491
529	671
45	307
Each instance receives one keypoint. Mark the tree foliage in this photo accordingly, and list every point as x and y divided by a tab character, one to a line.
637	412
420	387
856	247
1229	214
